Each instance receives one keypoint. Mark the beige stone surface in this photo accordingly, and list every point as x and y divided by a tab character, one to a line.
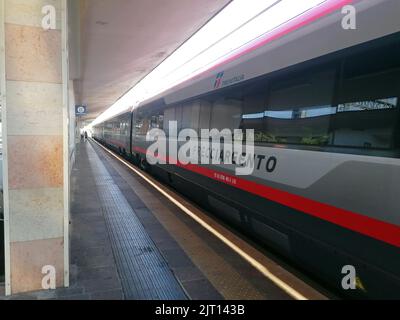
36	214
35	143
28	259
29	12
33	54
34	108
35	162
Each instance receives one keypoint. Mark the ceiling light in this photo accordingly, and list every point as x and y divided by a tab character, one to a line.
241	23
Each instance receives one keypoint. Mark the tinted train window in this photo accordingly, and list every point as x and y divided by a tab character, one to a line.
226	114
108	129
254	115
372	61
205	115
190	115
157	120
173	114
142	123
351	107
299	109
169	115
368	100
124	125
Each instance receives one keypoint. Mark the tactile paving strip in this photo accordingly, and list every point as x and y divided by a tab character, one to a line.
144	273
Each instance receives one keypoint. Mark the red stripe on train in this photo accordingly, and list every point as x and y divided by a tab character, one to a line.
373	228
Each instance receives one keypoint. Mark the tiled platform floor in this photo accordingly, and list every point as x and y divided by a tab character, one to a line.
93	271
98	269
129	242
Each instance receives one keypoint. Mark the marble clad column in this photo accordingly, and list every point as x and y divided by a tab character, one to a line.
35	143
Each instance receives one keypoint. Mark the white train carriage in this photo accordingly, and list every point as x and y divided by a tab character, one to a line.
324	104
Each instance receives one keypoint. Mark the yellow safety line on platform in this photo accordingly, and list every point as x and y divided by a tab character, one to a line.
256	264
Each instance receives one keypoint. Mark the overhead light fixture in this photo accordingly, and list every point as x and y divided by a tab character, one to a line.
241	23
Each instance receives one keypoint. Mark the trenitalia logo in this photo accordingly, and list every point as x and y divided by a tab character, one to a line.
218	80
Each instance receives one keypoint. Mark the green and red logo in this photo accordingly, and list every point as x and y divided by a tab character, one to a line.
218	80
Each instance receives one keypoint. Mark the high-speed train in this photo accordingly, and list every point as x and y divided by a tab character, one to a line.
324	102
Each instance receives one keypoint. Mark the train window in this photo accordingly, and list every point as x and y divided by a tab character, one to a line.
253	115
108	129
366	124
127	124
122	126
178	116
157	120
196	109
160	121
368	102
226	114
205	115
186	116
190	115
384	58
169	115
116	125
142	124
145	126
299	110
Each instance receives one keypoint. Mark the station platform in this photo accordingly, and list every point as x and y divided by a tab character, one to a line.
128	241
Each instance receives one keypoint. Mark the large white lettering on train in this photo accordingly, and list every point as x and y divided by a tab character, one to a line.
214	147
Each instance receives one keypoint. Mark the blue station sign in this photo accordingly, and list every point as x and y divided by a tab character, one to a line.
80	110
